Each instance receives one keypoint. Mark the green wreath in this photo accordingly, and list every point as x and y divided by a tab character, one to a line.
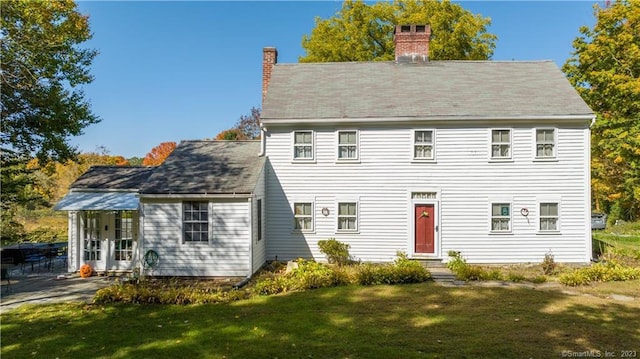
151	258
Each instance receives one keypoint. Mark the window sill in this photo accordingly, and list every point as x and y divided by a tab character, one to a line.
501	160
548	233
300	231
509	233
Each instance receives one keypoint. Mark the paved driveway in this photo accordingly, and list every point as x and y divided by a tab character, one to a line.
46	286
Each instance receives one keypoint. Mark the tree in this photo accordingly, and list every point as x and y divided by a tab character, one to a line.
158	154
41	103
232	134
247	128
363	32
42	69
605	69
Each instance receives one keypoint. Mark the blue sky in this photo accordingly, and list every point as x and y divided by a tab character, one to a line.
172	71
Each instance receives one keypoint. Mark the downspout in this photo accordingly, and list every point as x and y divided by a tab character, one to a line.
263	140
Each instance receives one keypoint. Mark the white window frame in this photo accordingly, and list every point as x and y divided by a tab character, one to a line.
553	143
415	144
183	221
500	216
340	145
491	144
541	217
295	145
356	216
310	216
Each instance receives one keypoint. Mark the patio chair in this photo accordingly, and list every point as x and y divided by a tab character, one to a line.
5	271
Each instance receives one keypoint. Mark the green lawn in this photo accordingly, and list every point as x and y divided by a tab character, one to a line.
402	321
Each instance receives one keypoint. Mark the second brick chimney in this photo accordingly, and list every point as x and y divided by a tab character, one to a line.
412	43
269	59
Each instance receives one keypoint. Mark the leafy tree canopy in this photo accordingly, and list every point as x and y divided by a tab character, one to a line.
247	128
158	154
42	68
364	32
605	69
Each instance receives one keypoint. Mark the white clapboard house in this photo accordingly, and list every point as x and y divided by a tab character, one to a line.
487	158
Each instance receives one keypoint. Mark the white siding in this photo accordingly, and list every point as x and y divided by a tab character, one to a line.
259	246
462	174
226	255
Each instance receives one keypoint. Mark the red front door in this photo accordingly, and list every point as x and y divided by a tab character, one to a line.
425	230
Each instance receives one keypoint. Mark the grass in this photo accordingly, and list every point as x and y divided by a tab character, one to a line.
403	321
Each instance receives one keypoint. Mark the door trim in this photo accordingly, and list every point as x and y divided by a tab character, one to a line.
411	241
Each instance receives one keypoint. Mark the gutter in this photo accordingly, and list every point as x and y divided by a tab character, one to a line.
422	120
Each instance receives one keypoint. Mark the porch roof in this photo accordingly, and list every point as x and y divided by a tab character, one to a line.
98	201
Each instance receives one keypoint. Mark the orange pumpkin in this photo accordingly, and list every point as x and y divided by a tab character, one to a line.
86	271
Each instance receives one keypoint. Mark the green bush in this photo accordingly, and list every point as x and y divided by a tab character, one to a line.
462	270
336	251
600	272
311	275
166	292
275	285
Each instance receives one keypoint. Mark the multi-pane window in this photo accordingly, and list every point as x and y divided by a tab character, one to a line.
303	216
549	217
91	235
195	221
347	145
124	236
423	145
500	144
347	216
500	217
545	143
303	145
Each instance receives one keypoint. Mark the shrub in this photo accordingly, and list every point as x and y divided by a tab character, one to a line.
275	285
463	271
549	264
600	272
336	251
166	292
408	271
311	275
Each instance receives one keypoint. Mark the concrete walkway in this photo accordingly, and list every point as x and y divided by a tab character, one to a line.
45	286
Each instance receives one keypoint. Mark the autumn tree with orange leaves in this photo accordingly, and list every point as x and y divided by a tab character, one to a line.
158	154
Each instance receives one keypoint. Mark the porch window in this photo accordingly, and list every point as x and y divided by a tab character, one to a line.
348	216
500	144
303	216
423	148
347	145
91	235
124	236
549	217
303	145
545	143
500	217
195	221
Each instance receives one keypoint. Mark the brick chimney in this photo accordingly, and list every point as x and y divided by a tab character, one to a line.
412	43
269	59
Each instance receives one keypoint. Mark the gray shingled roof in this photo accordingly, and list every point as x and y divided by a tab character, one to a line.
113	178
208	167
436	89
